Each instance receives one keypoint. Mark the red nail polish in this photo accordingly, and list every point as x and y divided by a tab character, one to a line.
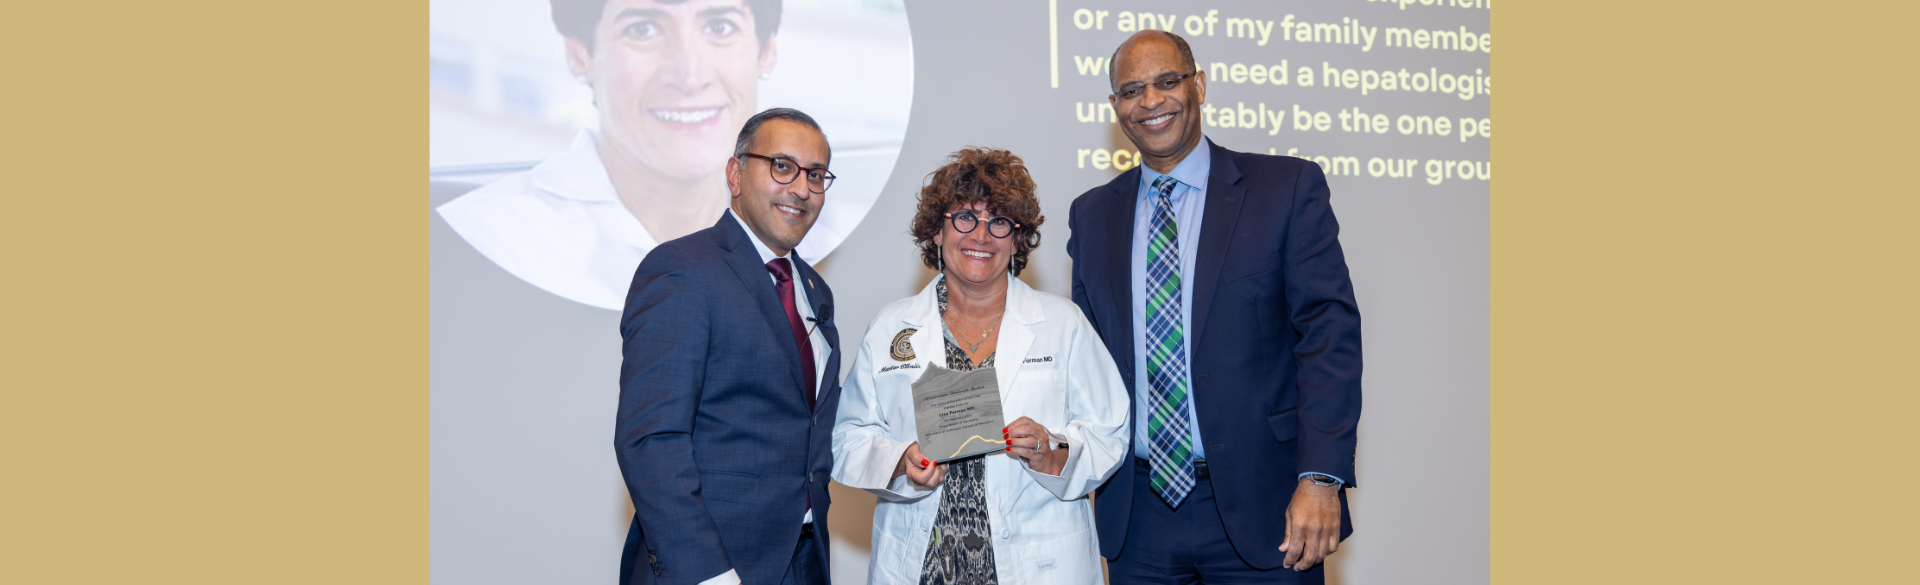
924	463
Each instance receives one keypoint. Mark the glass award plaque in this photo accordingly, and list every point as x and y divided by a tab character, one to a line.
958	413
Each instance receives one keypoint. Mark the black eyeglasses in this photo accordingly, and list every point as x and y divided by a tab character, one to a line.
965	221
785	170
1167	83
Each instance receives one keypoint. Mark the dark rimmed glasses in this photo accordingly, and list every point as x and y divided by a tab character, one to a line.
965	222
784	170
1166	83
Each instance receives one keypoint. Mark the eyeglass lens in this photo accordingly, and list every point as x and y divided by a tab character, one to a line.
785	170
965	222
1133	90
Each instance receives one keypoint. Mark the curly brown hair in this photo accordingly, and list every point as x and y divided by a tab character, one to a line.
973	175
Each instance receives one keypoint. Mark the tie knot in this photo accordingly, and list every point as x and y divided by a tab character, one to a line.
1164	185
781	268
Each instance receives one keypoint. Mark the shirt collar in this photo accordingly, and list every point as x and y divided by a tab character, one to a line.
577	172
766	254
1191	171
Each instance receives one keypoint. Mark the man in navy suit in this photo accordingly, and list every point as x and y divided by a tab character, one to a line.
1217	282
729	381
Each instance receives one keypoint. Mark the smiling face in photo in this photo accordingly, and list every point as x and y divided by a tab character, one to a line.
673	81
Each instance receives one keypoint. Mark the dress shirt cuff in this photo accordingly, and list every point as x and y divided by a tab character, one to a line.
731	577
1336	479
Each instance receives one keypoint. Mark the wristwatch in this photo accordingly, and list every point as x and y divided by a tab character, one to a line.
1322	480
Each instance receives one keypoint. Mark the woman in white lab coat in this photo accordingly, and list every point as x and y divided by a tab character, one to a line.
1021	515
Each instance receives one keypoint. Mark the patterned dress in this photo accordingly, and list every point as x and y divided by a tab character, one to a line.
960	550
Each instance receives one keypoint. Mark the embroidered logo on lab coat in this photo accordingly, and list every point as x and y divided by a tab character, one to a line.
901	350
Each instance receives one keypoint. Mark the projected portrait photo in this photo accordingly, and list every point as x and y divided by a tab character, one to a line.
590	131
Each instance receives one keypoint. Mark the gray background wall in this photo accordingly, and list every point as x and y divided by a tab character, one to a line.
524	487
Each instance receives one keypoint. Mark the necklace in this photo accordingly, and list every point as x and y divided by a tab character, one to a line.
975	347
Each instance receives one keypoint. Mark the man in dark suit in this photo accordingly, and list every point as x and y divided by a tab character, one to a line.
1217	282
729	380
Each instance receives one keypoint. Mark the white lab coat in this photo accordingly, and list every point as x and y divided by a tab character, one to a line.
558	226
1052	368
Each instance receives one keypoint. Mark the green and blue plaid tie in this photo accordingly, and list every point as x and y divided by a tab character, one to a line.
1171	441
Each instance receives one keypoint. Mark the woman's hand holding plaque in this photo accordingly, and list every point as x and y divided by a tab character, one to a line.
1030	442
922	472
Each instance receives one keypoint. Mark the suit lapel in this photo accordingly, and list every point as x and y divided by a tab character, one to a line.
816	300
1119	222
1216	233
745	261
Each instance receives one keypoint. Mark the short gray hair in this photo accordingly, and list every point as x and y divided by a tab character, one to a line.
752	129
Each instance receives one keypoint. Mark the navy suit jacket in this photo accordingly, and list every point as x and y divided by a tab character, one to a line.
714	438
1275	339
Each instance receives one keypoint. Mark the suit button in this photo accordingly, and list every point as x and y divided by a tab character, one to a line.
809	477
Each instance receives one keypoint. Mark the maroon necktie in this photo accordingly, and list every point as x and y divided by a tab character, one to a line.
782	270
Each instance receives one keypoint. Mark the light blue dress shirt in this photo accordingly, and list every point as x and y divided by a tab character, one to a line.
1189	200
